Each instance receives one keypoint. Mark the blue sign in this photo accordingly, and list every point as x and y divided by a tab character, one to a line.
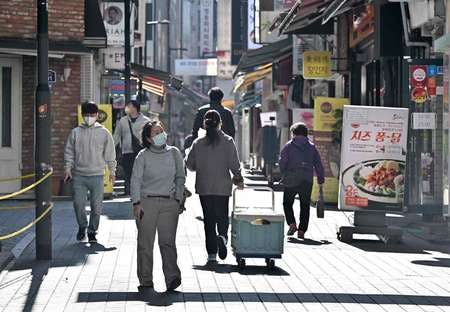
51	76
117	87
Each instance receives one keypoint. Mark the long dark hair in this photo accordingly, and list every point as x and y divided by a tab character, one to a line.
147	132
212	121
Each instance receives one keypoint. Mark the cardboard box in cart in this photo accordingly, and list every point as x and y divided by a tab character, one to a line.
257	232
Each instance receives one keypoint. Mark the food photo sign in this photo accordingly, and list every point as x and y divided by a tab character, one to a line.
373	158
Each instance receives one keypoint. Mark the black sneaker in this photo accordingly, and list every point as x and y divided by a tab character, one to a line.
174	284
222	246
92	239
81	234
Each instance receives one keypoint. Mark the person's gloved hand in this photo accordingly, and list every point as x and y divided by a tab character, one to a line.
238	179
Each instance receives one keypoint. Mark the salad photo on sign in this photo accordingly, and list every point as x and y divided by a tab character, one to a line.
373	158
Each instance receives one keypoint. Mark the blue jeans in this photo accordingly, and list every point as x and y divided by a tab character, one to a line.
81	186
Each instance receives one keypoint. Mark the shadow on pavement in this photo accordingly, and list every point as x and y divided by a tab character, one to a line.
39	269
370	245
438	262
78	251
248	270
118	210
308	241
168	298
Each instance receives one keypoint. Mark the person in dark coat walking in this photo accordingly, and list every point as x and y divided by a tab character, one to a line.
213	157
215	96
300	157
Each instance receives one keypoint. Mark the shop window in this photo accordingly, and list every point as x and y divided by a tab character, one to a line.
6	107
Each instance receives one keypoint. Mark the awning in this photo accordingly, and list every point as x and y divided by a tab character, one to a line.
94	29
264	55
243	81
338	7
194	97
276	22
166	78
305	17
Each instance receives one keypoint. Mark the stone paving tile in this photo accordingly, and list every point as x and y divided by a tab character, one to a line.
319	274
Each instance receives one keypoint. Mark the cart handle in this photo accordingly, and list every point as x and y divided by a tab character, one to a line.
255	188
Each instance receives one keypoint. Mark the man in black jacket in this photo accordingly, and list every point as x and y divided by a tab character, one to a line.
215	96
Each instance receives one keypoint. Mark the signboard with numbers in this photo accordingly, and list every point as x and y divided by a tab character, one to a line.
373	158
316	64
424	121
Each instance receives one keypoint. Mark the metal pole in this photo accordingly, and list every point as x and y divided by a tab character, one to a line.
181	29
127	51
43	136
169	65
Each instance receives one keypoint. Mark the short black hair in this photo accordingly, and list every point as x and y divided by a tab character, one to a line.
299	128
147	132
136	104
215	94
89	107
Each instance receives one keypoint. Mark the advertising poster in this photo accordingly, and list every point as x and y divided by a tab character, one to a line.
105	118
305	115
114	21
327	132
373	158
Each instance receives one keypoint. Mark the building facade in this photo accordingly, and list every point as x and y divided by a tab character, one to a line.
71	50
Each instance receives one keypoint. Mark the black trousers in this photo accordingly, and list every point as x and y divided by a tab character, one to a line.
215	219
127	164
304	192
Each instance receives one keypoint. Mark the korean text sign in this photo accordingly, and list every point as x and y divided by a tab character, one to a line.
316	64
373	158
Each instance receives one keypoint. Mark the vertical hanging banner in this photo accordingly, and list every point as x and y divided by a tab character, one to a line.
327	138
206	26
238	31
105	118
114	21
373	158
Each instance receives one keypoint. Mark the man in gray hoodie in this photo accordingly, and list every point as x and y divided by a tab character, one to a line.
89	150
129	129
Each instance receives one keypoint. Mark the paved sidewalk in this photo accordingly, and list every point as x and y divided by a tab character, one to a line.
318	274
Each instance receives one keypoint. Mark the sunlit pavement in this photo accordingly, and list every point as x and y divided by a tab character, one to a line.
317	274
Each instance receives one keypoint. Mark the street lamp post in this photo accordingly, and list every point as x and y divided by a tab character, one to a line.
127	52
43	136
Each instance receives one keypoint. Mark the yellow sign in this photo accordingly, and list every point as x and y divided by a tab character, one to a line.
316	64
105	118
327	126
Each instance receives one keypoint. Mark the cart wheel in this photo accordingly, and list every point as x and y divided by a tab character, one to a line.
270	263
241	263
345	234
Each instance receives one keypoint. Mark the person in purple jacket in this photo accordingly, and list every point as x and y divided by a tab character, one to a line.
299	157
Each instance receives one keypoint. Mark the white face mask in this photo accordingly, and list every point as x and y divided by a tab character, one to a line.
89	121
160	139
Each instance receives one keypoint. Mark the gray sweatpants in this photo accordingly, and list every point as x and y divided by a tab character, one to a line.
160	214
81	185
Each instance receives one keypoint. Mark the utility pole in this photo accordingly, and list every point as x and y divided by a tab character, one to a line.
127	51
43	137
